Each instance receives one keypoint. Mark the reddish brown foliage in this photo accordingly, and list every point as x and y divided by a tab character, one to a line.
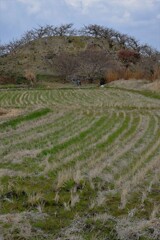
128	56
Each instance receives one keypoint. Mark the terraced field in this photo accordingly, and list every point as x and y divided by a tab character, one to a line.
79	164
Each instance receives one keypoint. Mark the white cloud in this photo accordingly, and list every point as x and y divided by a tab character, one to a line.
118	12
137	17
126	3
123	4
33	6
134	3
82	4
74	3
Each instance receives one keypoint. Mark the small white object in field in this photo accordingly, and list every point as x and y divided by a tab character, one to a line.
102	86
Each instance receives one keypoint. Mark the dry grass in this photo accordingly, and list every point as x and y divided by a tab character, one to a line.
35	199
128	229
8	113
91	165
30	77
156	75
155	86
127	74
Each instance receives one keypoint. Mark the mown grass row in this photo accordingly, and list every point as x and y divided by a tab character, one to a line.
46	139
82	97
29	117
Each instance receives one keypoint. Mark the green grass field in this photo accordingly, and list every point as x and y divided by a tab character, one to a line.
79	164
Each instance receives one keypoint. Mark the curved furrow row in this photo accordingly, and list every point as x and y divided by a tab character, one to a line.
150	161
2	99
138	179
39	125
135	160
26	127
115	150
80	97
40	131
32	153
88	151
49	138
79	151
15	98
92	152
19	101
109	176
5	100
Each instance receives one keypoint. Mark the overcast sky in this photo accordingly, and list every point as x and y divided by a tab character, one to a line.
139	18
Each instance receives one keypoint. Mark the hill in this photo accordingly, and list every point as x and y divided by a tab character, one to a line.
56	53
33	55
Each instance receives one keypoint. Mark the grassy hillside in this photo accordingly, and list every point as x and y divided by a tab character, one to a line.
63	53
79	164
33	55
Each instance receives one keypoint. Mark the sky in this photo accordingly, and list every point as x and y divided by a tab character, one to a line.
138	18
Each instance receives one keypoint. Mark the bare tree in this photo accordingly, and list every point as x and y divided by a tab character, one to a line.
12	46
109	35
3	50
66	65
121	40
148	51
133	44
28	36
87	65
92	30
93	64
97	31
50	30
40	32
149	60
65	30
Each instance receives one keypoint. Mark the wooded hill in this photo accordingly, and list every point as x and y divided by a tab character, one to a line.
92	52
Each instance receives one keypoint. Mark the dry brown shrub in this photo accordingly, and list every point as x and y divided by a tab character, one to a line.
117	74
30	77
114	74
156	74
111	76
127	74
138	74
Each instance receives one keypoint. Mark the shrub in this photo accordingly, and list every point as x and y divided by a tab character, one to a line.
20	79
117	74
112	75
156	73
4	79
30	77
128	56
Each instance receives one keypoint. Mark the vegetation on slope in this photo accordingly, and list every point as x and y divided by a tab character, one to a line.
65	54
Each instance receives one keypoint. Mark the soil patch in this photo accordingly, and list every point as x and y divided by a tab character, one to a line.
7	113
137	84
